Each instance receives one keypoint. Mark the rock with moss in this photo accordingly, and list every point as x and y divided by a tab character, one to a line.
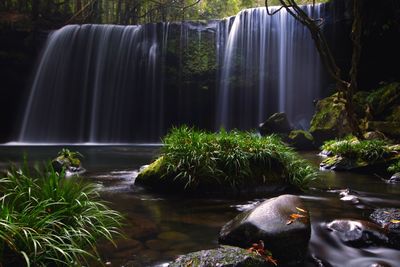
374	135
225	163
329	120
384	101
389	128
282	223
301	140
68	161
352	154
278	123
225	256
389	219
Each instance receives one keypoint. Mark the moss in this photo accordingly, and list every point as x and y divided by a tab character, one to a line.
395	115
224	256
384	98
329	120
154	169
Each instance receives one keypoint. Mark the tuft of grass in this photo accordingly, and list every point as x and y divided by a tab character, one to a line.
235	158
394	168
47	220
352	148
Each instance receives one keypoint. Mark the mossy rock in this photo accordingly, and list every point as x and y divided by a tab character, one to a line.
384	99
389	128
277	123
225	256
301	140
329	120
361	158
193	161
156	178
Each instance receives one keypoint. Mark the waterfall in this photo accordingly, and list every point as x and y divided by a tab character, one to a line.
126	84
270	64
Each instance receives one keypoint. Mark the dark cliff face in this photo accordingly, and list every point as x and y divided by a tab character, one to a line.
380	42
17	58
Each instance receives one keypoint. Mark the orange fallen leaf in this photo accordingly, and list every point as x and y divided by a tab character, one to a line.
299	209
395	221
296	216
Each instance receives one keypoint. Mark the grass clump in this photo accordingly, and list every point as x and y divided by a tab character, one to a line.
352	148
198	159
47	220
394	168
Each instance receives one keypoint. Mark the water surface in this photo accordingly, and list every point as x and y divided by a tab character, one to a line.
159	228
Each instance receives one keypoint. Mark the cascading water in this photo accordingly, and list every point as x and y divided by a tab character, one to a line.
125	84
270	64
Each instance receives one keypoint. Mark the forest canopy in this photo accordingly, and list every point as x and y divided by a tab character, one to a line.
63	12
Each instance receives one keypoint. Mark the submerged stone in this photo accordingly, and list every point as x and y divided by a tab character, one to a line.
225	256
282	223
357	233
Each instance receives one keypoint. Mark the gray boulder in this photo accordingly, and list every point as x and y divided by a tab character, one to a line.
225	256
272	222
278	123
357	233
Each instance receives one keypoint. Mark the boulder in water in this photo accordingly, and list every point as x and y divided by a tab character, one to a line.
301	140
225	256
357	233
282	223
389	219
69	162
395	178
278	123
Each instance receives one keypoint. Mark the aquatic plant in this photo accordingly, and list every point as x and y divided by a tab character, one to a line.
47	220
198	158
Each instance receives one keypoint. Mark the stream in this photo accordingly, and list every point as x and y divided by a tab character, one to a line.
159	228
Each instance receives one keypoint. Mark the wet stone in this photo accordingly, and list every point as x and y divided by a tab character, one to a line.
389	219
395	179
225	256
271	222
357	233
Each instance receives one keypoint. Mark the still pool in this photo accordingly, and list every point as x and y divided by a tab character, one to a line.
159	228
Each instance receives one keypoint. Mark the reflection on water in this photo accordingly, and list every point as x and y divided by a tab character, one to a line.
159	228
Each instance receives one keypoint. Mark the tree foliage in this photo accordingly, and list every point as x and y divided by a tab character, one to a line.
61	12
